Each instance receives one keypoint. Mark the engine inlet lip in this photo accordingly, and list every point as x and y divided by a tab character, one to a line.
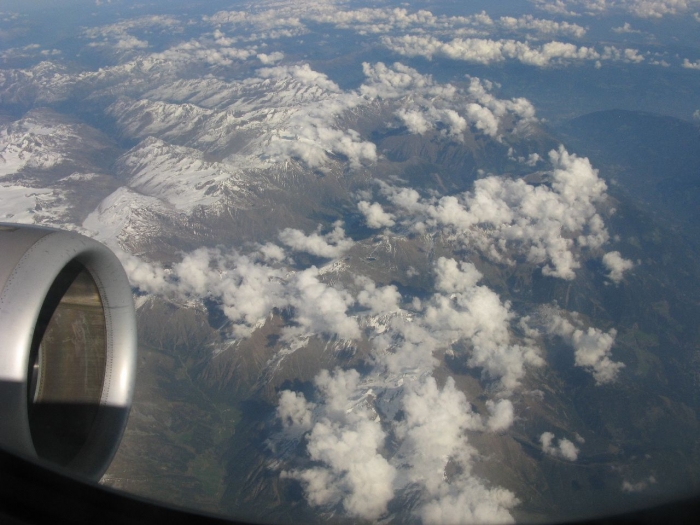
46	253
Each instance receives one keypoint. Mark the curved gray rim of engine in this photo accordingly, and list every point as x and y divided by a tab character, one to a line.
20	303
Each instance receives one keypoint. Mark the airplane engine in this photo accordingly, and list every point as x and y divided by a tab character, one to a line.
67	348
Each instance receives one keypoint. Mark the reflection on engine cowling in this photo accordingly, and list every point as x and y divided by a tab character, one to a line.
67	366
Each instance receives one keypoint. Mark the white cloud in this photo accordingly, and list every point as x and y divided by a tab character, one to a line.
320	308
425	103
259	24
346	437
451	276
483	119
639	486
564	450
120	37
489	51
433	435
479	318
502	415
592	348
472	503
331	245
544	27
687	64
248	290
639	8
616	265
379	300
368	21
195	51
272	252
461	311
294	410
500	215
414	120
657	8
432	431
347	434
696	115
625	28
346	445
130	42
272	58
375	216
555	7
399	80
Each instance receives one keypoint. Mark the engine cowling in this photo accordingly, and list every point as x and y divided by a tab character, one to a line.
67	348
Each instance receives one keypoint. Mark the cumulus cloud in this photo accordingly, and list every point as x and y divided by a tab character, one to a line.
616	265
501	415
639	486
687	64
196	51
375	216
379	300
544	224
474	504
433	429
544	27
564	450
293	410
272	252
345	443
638	8
480	319
28	51
488	51
320	308
346	436
656	8
331	245
388	20
149	278
461	311
451	276
257	24
425	103
248	290
592	348
271	58
555	7
130	42
626	28
120	36
433	435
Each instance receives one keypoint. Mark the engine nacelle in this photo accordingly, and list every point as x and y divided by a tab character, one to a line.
67	348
